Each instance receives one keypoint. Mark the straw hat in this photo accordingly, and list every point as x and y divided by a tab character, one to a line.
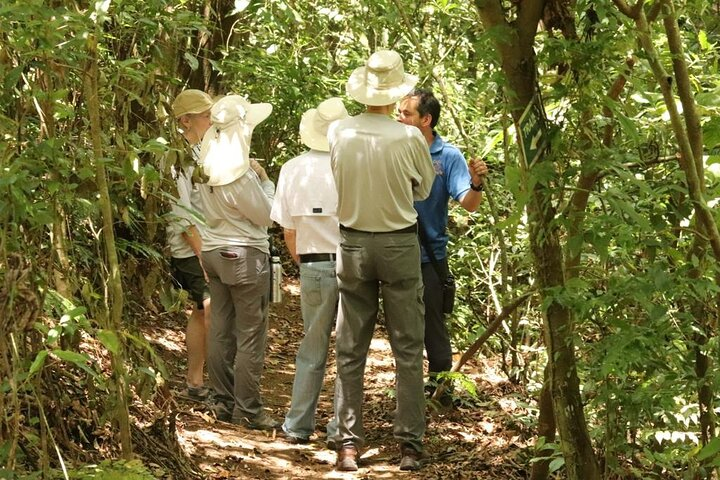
225	148
315	122
382	81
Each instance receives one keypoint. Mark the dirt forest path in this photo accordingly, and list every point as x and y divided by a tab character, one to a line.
481	439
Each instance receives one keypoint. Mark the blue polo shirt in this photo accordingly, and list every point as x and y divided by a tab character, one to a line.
452	179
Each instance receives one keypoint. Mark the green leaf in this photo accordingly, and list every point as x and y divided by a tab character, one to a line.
709	450
38	363
711	133
78	359
703	40
109	340
627	124
556	464
192	61
54	334
72	357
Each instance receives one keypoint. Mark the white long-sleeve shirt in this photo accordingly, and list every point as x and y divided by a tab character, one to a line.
237	213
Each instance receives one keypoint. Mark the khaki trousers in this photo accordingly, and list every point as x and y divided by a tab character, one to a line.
370	265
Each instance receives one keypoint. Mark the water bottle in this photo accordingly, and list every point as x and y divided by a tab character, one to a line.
275	279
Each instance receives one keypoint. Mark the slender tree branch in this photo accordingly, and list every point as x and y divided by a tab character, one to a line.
682	80
625	8
494	323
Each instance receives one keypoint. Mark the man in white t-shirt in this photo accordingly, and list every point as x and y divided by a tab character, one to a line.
380	167
305	206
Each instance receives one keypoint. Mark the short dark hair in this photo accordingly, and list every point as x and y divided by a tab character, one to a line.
427	104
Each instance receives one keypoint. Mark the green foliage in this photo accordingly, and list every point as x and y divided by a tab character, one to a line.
636	333
111	470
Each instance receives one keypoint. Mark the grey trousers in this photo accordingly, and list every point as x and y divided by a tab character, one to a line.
239	287
370	264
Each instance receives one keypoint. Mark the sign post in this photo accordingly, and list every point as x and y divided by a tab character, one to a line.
532	132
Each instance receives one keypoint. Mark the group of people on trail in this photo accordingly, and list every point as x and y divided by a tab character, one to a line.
352	208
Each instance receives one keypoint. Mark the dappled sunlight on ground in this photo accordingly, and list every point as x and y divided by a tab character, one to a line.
471	442
172	340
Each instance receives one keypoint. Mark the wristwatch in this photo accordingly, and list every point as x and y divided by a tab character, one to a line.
477	188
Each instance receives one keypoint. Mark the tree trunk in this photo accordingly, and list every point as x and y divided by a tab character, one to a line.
580	460
546	428
112	318
687	159
706	323
518	64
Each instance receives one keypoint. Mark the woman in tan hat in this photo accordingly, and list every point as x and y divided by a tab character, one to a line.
191	109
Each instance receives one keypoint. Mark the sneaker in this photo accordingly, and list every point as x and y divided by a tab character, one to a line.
262	421
293	439
195	394
347	459
409	458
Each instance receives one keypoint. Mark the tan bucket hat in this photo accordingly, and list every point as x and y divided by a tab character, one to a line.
225	148
382	81
315	122
191	101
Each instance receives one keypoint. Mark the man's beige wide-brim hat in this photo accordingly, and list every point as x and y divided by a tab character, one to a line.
382	81
225	148
315	122
191	101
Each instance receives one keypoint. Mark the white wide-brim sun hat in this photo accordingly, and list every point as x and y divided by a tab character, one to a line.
316	121
382	81
225	148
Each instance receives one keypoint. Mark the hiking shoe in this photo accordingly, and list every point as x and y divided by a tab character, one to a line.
409	458
296	440
446	400
222	416
195	394
347	459
261	421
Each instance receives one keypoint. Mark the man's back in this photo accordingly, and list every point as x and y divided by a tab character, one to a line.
380	167
306	201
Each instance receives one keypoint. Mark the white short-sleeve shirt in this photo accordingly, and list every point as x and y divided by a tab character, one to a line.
306	201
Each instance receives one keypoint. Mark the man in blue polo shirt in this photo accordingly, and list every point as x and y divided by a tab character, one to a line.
454	178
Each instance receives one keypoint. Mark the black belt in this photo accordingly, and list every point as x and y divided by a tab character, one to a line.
317	257
411	229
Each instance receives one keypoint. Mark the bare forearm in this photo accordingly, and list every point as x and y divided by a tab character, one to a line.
478	171
289	235
471	200
192	237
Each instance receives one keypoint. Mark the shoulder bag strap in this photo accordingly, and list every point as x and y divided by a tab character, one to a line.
425	243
